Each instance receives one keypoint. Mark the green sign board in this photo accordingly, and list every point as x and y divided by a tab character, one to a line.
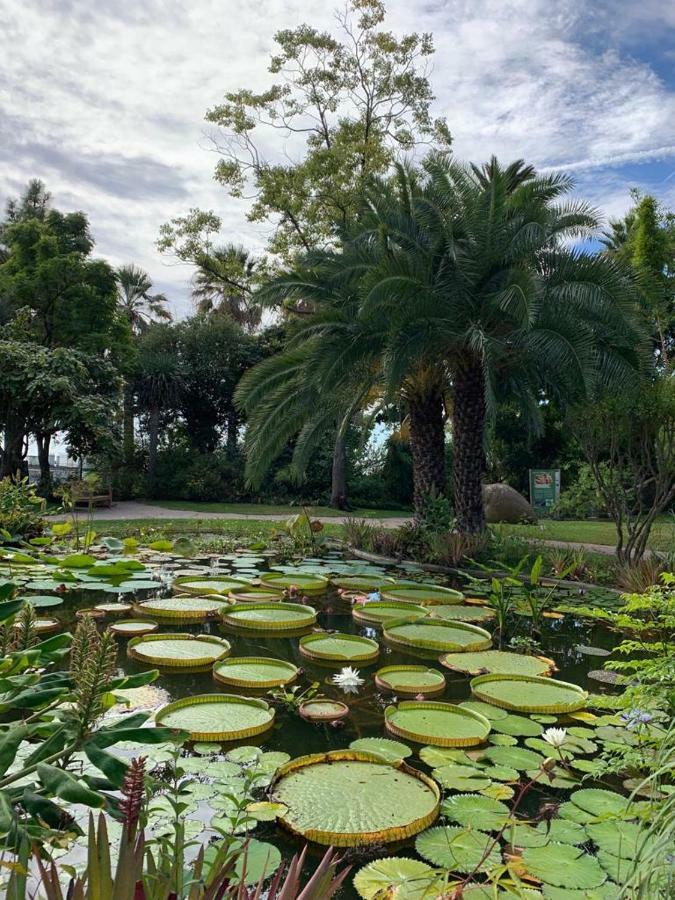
544	487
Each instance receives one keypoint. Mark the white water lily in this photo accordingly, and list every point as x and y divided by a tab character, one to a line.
349	680
556	737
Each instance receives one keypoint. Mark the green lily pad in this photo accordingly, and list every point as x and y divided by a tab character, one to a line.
309	583
518	726
434	634
377	611
442	756
43	601
244	755
441	724
362	800
258	862
563	865
458	849
410	680
423	594
383	876
217	717
182	607
493	713
497	661
459	613
475	811
624	839
387	749
338	647
254	672
132	627
515	757
269	616
178	650
528	693
462	778
599	802
207	585
559	831
363	583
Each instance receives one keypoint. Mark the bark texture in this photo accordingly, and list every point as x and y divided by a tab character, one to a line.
468	428
338	493
427	446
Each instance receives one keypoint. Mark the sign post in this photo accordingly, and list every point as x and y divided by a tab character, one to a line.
544	488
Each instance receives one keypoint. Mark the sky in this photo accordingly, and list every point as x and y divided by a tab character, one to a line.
105	101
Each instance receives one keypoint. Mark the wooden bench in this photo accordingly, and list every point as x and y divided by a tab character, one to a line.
90	495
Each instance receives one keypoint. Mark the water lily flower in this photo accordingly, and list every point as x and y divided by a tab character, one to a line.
635	717
349	680
556	737
374	597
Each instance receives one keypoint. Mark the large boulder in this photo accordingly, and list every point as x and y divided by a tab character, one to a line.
504	504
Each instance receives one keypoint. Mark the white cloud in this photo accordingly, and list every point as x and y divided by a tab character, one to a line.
105	102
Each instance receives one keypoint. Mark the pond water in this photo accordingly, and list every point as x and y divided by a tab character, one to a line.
559	641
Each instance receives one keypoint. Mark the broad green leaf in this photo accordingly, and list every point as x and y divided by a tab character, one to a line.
63	785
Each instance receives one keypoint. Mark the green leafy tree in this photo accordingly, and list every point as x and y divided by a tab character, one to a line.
224	283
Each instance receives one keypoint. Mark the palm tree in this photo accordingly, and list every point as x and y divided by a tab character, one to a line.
141	309
223	284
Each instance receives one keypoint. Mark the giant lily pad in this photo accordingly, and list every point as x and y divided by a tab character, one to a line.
269	616
217	717
497	661
363	583
387	610
182	607
43	601
336	647
433	634
474	811
423	594
178	650
529	693
458	849
346	798
133	627
254	595
440	724
461	613
383	877
207	584
563	865
410	680
254	672
310	584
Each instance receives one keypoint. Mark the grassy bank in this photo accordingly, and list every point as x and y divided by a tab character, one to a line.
590	532
271	509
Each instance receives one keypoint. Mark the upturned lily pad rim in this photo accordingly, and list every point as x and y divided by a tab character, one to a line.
435	594
530	707
118	627
229	616
158	607
112	609
482	724
547	665
404	610
179	585
341	839
43	625
362	582
168	662
232	735
309	583
371	649
220	672
245	595
382	680
483	638
328	715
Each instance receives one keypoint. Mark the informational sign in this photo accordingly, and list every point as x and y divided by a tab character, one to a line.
544	487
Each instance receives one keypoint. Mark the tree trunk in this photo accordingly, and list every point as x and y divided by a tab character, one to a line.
43	442
128	424
468	427
13	461
232	433
153	441
338	494
427	446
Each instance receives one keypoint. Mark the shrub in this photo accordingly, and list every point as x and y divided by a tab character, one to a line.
581	500
20	510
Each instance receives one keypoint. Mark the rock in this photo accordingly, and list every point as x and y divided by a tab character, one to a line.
505	504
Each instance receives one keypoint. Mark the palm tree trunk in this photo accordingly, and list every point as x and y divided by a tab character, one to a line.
43	442
13	461
232	432
153	440
338	493
128	424
468	427
427	446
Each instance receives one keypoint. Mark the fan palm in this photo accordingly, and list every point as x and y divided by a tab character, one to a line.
140	307
223	284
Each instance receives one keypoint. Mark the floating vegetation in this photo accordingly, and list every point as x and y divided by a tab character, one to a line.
218	717
269	616
321	709
410	680
497	661
378	611
335	647
255	672
436	723
207	584
133	627
309	584
182	606
529	693
178	650
430	634
423	594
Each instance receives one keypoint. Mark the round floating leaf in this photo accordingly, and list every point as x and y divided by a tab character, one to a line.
255	672
182	606
518	726
269	616
338	647
387	749
591	651
557	830
624	839
498	791
423	594
207	584
133	627
254	595
113	609
461	778
563	865
206	749
441	724
363	583
323	710
475	811
458	849
43	601
527	693
459	613
345	798
497	661
309	583
258	861
619	868
377	611
599	802
178	650
514	757
493	713
442	756
217	717
502	740
384	875
434	634
244	755
410	680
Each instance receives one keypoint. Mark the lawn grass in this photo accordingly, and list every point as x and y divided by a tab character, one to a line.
272	509
590	532
230	528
